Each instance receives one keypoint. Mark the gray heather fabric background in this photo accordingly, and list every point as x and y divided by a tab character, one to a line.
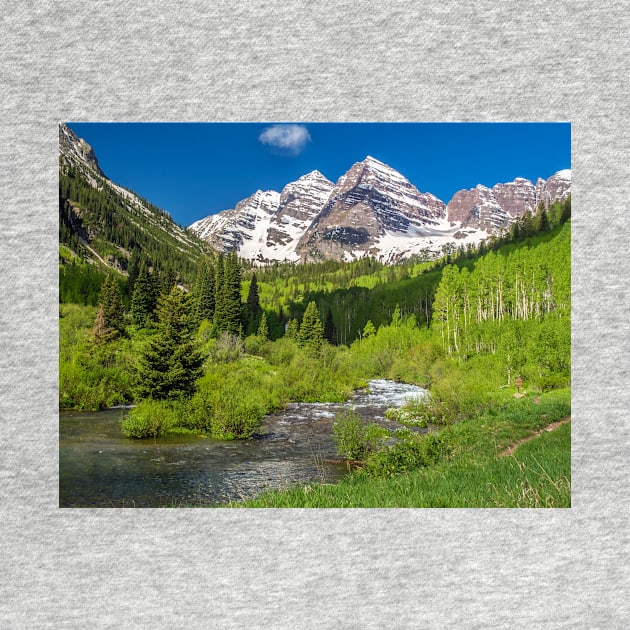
342	61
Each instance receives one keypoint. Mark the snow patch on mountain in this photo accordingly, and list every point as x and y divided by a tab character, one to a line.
372	210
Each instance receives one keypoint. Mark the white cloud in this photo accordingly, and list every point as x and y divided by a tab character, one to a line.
290	139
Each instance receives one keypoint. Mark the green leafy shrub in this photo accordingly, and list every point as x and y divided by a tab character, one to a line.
197	414
151	418
553	381
413	413
255	344
414	366
280	352
232	398
355	438
226	349
91	375
460	391
236	414
413	451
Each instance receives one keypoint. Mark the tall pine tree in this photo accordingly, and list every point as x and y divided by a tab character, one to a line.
166	280
311	334
111	313
219	292
263	328
252	310
231	309
171	362
204	291
293	329
133	269
330	332
143	298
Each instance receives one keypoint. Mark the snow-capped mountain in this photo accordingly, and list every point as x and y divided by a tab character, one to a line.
267	225
371	210
494	209
370	202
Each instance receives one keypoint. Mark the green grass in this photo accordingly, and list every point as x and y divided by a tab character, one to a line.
538	474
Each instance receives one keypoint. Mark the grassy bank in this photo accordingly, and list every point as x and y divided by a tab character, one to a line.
475	473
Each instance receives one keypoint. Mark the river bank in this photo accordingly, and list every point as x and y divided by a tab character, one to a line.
100	467
537	473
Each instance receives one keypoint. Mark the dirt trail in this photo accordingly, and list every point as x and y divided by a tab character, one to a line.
550	427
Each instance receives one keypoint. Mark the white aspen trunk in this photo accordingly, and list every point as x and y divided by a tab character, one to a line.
448	328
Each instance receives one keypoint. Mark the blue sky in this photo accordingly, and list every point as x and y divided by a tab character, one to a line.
192	170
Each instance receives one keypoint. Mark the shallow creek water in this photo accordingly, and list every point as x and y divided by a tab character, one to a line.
99	467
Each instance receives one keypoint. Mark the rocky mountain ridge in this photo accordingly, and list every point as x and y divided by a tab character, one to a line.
267	225
371	210
494	209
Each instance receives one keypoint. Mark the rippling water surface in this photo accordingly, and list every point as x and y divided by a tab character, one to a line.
99	467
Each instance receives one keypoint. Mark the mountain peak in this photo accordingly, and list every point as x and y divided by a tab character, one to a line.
374	164
563	174
372	210
374	170
313	175
76	148
370	159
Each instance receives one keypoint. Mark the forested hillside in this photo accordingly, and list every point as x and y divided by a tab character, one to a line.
511	303
350	294
103	227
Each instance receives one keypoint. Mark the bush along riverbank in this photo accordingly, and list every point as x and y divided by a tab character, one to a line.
465	464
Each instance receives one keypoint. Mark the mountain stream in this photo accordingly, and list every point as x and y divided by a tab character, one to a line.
99	467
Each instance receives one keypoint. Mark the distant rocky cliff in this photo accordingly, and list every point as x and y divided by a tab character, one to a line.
371	210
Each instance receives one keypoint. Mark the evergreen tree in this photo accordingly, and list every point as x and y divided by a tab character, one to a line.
293	329
204	291
396	317
111	313
100	330
527	224
252	310
231	296
253	300
565	213
311	334
133	268
166	281
219	292
515	231
542	221
263	329
143	298
171	362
